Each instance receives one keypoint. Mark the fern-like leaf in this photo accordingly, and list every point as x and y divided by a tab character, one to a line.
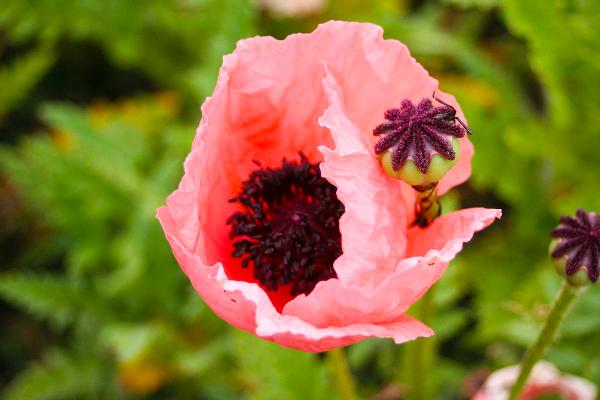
54	299
18	78
60	375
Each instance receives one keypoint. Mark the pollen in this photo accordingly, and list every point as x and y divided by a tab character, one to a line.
288	228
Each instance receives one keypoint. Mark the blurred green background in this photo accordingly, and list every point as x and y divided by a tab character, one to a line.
99	100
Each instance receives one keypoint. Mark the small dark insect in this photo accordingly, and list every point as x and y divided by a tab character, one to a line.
450	114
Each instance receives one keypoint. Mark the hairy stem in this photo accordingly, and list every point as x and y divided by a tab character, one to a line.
422	355
566	296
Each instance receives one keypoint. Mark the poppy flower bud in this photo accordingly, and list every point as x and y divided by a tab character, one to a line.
418	144
575	248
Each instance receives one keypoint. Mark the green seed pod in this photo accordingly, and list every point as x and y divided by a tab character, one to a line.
409	172
418	143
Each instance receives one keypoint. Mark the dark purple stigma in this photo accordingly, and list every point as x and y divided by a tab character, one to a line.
288	231
579	241
418	132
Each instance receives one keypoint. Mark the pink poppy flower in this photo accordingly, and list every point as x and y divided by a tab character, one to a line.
545	379
320	94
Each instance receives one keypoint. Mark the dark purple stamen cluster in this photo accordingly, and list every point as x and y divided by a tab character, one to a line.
417	132
579	241
289	228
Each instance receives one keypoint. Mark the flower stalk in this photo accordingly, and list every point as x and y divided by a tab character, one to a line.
423	352
427	205
559	309
342	376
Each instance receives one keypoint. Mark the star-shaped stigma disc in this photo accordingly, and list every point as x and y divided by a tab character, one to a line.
418	132
578	241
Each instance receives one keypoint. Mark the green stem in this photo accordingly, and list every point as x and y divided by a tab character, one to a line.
566	296
427	206
342	375
422	354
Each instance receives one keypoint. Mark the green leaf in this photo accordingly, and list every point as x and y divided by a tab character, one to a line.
102	154
178	44
56	299
270	371
60	375
18	78
562	37
482	4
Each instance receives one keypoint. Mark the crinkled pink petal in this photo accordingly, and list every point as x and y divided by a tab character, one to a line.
380	288
374	225
393	75
321	94
246	306
447	234
336	302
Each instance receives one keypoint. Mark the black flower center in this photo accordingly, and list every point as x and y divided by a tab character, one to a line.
288	231
418	132
579	241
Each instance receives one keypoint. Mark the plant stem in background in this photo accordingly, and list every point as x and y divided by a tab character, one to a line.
422	354
344	381
566	296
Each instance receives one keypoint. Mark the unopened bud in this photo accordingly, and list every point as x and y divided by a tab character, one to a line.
575	247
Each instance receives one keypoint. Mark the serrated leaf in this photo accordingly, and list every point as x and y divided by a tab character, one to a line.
19	77
60	375
100	153
55	299
273	372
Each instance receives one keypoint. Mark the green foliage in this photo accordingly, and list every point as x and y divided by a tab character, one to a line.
21	75
482	4
79	375
563	39
271	372
176	43
56	299
95	182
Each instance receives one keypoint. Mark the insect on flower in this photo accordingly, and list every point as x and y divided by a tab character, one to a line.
419	142
450	114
